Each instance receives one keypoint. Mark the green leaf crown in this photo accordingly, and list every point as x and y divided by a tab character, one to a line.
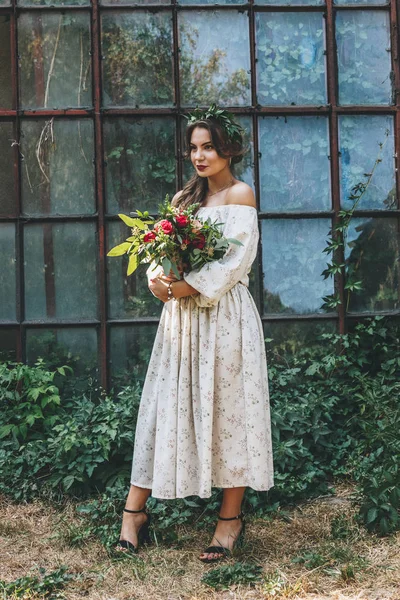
224	118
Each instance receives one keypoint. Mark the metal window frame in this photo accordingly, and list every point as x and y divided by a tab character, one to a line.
331	110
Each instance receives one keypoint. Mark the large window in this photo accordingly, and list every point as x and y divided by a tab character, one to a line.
92	104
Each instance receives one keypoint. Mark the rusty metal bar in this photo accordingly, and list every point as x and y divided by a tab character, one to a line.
19	242
100	194
177	96
258	110
332	75
395	40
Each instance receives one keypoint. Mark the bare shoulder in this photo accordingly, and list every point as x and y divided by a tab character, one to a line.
241	193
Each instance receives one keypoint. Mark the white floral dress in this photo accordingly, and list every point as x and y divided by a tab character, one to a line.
204	417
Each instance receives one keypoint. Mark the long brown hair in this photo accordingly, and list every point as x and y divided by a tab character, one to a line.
196	188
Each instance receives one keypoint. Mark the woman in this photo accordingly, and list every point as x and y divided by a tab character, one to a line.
204	416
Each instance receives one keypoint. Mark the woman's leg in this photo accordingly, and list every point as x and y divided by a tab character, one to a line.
131	523
226	532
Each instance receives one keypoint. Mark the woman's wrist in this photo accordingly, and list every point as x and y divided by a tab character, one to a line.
181	289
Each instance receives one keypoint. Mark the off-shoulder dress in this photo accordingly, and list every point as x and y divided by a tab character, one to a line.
204	417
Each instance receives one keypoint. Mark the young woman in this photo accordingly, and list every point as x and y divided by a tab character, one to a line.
204	415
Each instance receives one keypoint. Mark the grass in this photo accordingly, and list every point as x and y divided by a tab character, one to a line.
316	551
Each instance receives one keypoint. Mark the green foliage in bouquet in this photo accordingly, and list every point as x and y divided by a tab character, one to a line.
177	242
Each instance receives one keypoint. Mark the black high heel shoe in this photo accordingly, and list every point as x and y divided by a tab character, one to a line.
225	552
126	547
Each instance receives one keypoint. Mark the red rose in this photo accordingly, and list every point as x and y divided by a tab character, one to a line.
182	220
199	241
165	225
149	237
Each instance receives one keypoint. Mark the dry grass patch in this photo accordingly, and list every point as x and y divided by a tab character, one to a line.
315	551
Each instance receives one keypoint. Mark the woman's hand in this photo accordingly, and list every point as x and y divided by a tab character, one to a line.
159	287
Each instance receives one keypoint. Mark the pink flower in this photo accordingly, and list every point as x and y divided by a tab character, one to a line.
182	220
165	225
149	237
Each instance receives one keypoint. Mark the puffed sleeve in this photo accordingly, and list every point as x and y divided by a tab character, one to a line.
153	271
215	279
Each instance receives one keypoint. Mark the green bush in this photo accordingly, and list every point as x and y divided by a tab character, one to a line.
51	445
334	408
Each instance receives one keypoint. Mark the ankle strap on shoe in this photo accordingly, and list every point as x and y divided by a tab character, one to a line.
240	516
142	510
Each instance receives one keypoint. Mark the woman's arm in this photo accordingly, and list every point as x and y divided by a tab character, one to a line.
180	289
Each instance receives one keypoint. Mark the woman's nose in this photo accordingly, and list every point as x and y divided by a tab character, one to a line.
198	154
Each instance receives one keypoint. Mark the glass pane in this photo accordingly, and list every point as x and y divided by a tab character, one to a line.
140	156
363	47
360	137
55	61
53	2
73	346
60	271
7	271
144	2
292	264
373	2
243	170
214	58
129	296
290	58
294	164
58	167
373	252
130	351
293	338
291	2
212	2
8	344
7	190
5	61
137	65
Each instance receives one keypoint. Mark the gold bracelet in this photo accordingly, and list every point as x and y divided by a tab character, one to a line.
169	291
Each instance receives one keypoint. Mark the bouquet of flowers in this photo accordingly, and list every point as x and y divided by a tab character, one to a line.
177	241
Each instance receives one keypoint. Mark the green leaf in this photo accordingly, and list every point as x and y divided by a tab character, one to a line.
132	264
166	265
119	250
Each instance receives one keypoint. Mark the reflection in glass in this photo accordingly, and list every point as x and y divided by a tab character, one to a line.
72	346
292	265
290	58
243	170
373	255
55	62
294	164
59	3
363	47
293	338
212	2
8	344
7	271
291	2
130	351
128	296
372	2
214	58
144	2
7	190
137	65
60	271
360	138
58	169
5	61
140	155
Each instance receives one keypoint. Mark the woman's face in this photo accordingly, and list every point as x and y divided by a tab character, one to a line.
203	154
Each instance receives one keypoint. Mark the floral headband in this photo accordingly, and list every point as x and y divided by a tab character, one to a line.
224	118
